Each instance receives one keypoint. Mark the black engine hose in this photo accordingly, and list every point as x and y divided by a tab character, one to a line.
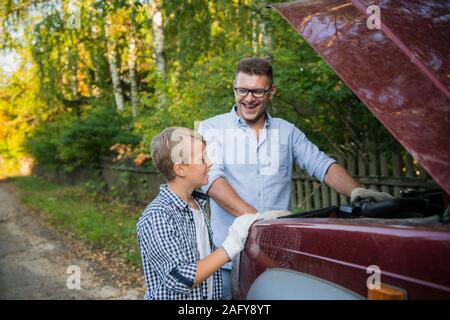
388	208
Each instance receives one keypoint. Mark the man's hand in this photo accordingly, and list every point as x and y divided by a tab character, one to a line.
274	214
237	234
361	194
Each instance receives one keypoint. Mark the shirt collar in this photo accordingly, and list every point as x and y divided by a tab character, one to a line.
199	196
241	122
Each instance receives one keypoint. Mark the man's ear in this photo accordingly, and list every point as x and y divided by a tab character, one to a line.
178	168
273	91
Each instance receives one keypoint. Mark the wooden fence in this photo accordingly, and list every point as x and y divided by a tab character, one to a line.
385	173
388	173
137	184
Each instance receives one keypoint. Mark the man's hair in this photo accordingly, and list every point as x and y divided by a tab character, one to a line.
255	66
173	145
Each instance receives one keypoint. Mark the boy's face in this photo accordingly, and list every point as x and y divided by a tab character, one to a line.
196	171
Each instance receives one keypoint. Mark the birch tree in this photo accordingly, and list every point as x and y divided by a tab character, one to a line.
113	65
158	38
158	48
132	64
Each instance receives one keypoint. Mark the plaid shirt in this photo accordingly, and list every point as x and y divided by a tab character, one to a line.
168	245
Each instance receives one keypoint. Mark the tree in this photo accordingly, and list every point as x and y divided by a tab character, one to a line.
166	63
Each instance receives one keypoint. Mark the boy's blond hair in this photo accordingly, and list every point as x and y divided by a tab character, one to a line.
173	145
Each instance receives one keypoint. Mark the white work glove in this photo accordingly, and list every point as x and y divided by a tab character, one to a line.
237	234
273	214
362	193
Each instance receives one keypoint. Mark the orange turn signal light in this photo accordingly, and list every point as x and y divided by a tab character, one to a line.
386	293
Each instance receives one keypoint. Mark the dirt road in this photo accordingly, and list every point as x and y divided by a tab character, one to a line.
34	261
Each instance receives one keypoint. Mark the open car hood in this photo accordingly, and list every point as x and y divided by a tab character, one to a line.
401	72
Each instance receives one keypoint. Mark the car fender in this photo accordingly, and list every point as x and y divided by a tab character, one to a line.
285	284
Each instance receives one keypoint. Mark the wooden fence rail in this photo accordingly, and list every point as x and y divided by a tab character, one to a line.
387	173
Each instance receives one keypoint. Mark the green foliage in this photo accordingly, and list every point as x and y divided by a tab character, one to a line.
72	142
100	223
19	109
62	106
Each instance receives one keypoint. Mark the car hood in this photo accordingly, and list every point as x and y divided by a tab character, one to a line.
401	71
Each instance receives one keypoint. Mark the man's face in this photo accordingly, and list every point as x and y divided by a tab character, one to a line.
249	108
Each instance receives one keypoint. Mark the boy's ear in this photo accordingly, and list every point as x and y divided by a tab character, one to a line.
178	168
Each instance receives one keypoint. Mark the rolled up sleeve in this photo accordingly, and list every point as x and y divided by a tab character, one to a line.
214	150
308	156
162	251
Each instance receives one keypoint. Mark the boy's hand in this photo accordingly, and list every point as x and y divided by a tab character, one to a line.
362	193
237	234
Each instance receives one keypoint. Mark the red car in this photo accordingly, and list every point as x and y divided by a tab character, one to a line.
397	249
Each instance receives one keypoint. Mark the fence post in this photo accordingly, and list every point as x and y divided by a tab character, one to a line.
373	166
293	194
396	171
384	170
300	192
308	195
361	166
316	190
334	198
325	195
409	166
351	164
342	199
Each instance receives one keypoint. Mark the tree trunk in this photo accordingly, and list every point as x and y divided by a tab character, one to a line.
117	88
255	33
158	50
113	68
132	64
267	43
158	39
132	73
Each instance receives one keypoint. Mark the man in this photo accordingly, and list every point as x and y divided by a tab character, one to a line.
253	153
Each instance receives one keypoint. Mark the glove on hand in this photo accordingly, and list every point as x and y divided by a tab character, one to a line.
237	234
362	193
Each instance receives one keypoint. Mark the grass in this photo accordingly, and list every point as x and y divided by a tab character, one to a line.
100	222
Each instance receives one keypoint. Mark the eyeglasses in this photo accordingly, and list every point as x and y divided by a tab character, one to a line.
257	93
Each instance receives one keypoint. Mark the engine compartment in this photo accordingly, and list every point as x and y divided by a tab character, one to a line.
413	205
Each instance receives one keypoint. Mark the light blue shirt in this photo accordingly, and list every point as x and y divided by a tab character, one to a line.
260	171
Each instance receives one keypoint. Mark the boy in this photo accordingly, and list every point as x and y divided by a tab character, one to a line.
179	258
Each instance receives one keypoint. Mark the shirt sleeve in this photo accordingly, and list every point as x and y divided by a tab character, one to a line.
214	151
162	250
308	156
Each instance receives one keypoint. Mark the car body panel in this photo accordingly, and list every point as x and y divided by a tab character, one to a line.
400	72
411	257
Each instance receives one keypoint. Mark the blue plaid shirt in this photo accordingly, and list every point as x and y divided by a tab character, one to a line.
169	252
